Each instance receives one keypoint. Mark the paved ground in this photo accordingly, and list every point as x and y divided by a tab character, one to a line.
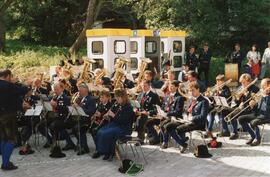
234	159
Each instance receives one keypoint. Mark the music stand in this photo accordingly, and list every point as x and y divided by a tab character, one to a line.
77	111
35	111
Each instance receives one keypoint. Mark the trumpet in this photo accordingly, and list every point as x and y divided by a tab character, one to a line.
75	98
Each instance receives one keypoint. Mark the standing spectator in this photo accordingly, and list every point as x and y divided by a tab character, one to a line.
191	59
204	60
254	57
237	57
265	61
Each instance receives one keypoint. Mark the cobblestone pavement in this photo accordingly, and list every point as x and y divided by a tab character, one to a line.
233	159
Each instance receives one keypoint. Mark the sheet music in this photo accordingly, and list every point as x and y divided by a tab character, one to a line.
44	97
78	111
34	112
221	101
48	106
161	112
135	104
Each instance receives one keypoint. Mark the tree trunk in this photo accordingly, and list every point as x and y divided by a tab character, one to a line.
3	8
92	13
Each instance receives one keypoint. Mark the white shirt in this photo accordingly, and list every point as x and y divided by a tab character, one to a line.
254	56
266	56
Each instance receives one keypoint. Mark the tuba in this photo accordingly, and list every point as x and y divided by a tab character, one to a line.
143	66
99	76
117	82
86	76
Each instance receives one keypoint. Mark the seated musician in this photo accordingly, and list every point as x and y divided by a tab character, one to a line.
183	75
173	105
198	111
103	107
243	96
55	77
87	103
120	126
222	91
166	66
193	76
147	100
148	75
128	83
250	122
27	124
167	82
70	80
56	122
38	89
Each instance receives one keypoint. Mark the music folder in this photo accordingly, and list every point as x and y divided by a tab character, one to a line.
77	111
160	111
48	106
34	111
221	101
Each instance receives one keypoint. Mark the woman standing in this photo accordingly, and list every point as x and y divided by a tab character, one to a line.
254	58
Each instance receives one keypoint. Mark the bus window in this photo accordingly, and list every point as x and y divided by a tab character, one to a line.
162	47
97	47
133	63
98	64
177	61
119	47
133	47
150	47
177	46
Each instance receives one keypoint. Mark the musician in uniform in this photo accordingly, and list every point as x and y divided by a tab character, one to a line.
237	57
27	123
191	59
120	126
221	90
250	122
148	75
10	103
87	103
147	100
204	60
183	74
38	89
198	111
173	105
193	77
103	107
243	96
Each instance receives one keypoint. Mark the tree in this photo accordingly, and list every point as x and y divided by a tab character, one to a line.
3	9
92	13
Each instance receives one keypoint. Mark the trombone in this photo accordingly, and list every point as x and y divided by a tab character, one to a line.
237	95
236	112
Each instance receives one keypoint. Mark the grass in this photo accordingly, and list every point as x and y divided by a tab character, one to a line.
24	58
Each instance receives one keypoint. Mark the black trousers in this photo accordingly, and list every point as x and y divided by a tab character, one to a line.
141	126
204	69
8	127
28	125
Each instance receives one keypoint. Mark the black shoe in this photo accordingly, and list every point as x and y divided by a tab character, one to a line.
154	141
250	141
69	147
139	143
47	145
223	134
184	148
26	150
164	146
83	151
256	143
96	155
10	166
234	136
106	157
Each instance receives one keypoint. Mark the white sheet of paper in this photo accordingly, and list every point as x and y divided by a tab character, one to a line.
34	112
161	112
78	111
48	106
